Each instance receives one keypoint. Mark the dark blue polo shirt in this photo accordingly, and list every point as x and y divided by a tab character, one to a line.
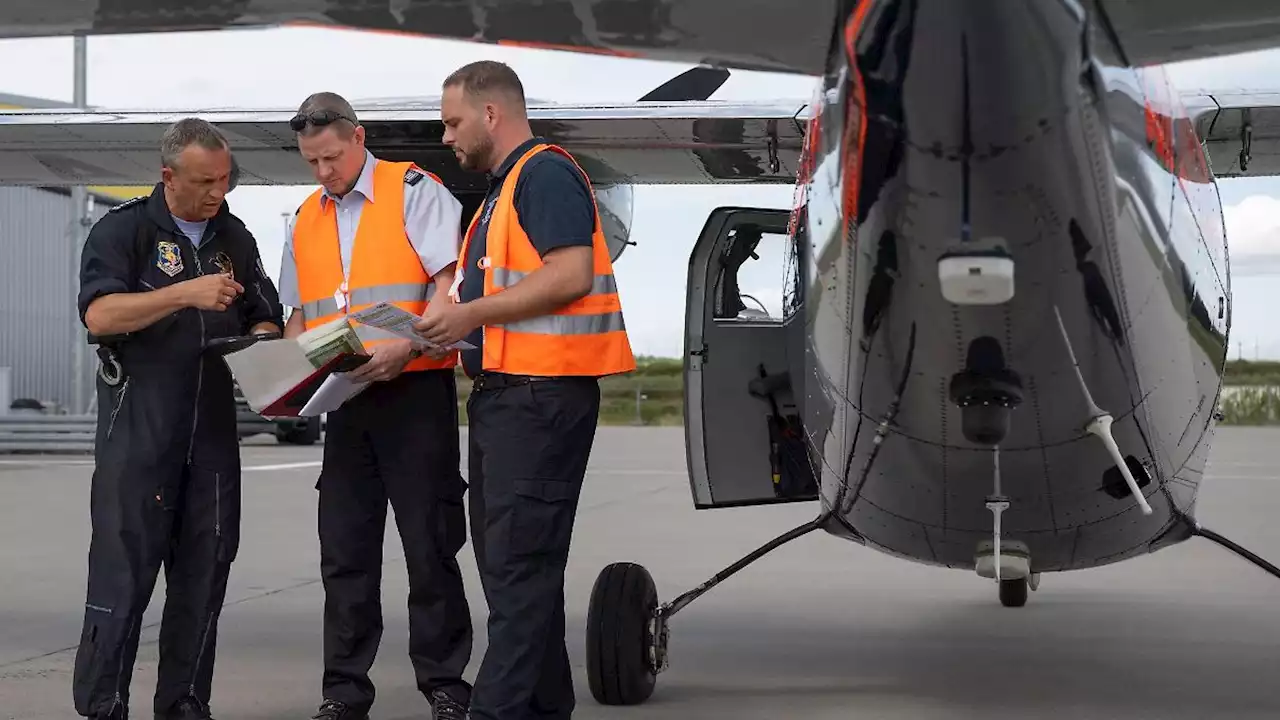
554	206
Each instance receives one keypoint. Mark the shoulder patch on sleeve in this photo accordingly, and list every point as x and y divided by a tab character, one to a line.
128	203
413	176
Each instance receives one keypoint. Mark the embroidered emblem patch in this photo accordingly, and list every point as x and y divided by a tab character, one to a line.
168	258
222	261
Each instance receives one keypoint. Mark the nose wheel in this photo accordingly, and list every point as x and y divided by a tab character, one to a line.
625	645
1013	593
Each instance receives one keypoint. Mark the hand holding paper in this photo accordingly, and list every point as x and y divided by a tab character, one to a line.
413	328
445	324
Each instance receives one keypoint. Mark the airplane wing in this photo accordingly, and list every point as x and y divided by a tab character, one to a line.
777	35
1151	32
633	143
1240	131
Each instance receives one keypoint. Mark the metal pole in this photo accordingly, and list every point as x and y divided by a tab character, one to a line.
287	217
80	221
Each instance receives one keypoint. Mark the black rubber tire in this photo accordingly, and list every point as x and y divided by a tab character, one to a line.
1013	593
622	601
296	432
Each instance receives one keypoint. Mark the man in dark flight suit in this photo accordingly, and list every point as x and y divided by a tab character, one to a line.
160	276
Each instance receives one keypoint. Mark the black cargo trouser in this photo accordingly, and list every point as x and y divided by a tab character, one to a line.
396	441
529	446
149	508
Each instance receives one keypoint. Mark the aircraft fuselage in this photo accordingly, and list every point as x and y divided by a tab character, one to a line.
1011	127
1000	126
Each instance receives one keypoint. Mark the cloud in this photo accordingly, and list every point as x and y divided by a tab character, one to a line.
1253	226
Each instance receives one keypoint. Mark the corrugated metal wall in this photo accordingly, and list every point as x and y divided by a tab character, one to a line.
38	285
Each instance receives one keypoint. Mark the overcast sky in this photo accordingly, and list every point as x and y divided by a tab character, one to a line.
277	68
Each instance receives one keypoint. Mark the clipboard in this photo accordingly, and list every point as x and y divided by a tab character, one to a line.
224	346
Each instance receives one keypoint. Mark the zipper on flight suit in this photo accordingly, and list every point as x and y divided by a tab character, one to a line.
195	423
195	412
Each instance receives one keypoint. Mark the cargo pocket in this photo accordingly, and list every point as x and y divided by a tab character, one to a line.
542	518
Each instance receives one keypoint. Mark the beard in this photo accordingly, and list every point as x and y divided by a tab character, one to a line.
476	158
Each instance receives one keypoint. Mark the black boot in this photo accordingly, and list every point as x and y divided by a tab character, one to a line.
445	707
334	710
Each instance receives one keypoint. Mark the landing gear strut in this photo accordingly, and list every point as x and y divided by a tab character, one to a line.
1238	550
627	631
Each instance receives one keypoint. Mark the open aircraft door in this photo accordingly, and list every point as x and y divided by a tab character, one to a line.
745	442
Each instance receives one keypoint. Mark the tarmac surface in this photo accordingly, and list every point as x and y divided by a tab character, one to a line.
820	628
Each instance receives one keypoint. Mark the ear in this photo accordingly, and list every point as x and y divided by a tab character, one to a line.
166	175
358	135
492	113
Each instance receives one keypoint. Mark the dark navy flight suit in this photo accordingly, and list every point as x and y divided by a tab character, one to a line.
526	673
166	482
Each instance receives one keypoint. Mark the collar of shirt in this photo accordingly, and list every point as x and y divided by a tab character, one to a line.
157	209
363	186
510	160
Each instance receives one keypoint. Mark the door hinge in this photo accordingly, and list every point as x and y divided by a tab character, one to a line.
701	353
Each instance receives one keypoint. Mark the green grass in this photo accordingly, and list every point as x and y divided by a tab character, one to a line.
1253	372
1254	399
1251	406
659	380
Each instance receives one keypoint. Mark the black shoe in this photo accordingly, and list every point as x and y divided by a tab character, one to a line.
188	708
334	710
445	707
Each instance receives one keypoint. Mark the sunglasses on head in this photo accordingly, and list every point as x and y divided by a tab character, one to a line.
319	118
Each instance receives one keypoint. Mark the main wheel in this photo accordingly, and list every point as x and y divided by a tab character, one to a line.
1013	593
623	600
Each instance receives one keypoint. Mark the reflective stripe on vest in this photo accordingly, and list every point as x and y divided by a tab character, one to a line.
585	337
384	265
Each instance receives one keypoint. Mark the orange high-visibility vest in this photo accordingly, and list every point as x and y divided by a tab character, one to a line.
384	265
585	337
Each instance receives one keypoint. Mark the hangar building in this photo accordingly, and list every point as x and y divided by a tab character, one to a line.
39	325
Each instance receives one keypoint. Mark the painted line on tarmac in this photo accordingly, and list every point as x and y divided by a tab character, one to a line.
44	463
590	471
282	466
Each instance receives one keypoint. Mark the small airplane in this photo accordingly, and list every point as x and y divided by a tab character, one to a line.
1008	284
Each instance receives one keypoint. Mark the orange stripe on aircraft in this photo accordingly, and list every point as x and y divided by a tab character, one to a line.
851	158
1170	133
1156	107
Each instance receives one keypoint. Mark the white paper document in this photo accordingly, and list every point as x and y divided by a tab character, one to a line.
335	390
270	370
396	321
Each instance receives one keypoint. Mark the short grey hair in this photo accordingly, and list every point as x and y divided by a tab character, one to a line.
185	133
